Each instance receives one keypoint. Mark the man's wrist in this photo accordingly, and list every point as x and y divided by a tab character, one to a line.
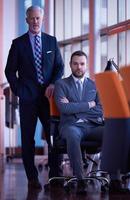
89	105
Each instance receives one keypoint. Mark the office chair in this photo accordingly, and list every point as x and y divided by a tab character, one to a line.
125	74
111	66
116	142
58	145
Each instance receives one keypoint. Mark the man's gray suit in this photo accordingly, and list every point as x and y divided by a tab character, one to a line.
70	129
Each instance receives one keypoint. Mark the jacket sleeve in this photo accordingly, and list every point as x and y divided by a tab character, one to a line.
12	67
58	69
97	110
71	107
76	108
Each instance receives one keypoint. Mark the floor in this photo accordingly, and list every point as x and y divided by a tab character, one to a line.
13	186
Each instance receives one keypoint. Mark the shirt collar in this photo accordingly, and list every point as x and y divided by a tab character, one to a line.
76	79
32	34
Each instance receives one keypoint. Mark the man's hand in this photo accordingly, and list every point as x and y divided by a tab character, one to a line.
91	104
49	91
64	100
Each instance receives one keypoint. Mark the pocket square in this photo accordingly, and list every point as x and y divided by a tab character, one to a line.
48	52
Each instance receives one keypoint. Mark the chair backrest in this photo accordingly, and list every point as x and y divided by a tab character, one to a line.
125	73
53	108
112	95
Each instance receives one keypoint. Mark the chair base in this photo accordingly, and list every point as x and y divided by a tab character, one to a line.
68	183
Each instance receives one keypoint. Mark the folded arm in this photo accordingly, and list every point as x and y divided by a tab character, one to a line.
67	107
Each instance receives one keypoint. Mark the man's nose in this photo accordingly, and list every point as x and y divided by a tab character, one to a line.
79	66
35	20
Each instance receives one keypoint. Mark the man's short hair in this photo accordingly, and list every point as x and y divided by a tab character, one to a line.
78	53
31	8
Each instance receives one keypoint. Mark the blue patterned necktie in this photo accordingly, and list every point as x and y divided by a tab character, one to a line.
38	59
79	87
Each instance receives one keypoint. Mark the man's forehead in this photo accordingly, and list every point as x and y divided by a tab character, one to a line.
79	58
35	12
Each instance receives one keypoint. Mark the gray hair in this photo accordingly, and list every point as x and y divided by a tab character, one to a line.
31	8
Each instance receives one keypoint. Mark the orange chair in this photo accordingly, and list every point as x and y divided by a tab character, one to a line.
53	108
125	73
116	143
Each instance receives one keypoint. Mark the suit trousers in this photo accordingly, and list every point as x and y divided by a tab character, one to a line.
73	134
29	113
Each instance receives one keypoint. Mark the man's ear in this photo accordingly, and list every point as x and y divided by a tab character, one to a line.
70	64
27	20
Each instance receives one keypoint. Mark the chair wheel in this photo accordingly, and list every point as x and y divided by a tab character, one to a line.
91	182
67	188
125	177
104	188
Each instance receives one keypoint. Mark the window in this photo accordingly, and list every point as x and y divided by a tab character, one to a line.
112	12
59	20
103	12
85	16
76	18
122	49
103	52
110	34
121	10
112	47
85	48
128	47
67	55
68	19
127	9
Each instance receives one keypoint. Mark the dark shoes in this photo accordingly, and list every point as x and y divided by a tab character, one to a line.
81	187
115	187
34	185
32	194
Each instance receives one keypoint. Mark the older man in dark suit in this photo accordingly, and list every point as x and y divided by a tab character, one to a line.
81	112
34	64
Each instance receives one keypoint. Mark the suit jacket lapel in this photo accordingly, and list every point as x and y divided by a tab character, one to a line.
28	48
85	88
44	54
43	48
74	88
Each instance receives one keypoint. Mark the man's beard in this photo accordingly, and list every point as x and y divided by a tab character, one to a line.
78	75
